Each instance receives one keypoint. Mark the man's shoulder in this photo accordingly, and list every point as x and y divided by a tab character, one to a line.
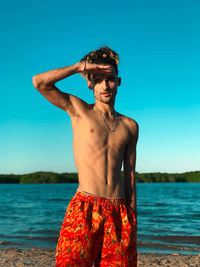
130	123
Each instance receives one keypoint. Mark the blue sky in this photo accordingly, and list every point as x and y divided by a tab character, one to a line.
158	44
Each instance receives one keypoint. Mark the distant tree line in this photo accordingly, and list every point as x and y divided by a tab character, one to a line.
51	177
39	178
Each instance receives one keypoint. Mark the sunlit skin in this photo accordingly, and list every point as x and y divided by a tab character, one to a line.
98	153
105	87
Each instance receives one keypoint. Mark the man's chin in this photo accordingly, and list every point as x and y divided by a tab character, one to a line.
105	100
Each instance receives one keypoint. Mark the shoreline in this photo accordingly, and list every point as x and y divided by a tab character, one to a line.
10	257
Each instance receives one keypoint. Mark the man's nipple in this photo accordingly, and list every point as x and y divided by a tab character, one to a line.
91	130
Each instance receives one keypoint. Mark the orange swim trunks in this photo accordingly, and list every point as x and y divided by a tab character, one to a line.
98	232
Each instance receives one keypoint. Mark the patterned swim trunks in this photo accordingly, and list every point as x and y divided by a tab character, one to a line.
98	232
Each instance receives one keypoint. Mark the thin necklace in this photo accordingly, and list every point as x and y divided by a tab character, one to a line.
108	128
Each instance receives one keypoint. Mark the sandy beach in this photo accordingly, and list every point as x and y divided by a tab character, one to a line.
13	257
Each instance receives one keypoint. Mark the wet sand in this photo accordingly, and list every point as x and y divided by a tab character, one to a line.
13	257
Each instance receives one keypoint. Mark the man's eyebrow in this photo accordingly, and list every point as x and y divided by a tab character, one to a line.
100	77
97	79
111	76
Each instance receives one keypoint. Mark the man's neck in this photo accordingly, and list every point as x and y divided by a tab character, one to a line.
106	109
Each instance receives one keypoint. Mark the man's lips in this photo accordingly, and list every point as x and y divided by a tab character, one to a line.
105	94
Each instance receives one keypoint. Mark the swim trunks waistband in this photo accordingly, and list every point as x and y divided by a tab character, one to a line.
102	197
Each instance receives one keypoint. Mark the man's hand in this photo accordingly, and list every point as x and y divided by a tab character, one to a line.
132	206
92	68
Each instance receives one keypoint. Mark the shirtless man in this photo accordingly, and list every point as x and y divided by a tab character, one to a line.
100	224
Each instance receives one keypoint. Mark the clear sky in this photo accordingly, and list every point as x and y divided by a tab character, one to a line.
158	43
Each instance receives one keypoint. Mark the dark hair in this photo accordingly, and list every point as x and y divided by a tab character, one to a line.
104	55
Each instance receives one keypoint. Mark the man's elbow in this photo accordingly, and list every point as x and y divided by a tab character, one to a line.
38	83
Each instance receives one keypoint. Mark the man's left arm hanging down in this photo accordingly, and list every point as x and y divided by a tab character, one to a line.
129	169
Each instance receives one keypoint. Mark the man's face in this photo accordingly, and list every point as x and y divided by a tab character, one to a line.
105	86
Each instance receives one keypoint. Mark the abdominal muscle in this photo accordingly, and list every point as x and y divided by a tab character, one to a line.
99	171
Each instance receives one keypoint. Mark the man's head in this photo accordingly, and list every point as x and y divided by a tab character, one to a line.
102	73
102	56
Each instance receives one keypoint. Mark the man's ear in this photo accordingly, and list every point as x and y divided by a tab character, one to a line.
119	81
89	83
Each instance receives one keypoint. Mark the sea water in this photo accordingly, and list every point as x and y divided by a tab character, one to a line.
168	215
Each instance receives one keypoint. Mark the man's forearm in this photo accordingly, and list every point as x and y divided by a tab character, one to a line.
53	76
130	188
133	203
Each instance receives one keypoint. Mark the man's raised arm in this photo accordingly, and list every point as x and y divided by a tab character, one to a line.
45	84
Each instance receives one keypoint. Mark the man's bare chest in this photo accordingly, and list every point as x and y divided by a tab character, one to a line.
95	136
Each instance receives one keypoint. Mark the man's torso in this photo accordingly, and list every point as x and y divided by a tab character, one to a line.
99	153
